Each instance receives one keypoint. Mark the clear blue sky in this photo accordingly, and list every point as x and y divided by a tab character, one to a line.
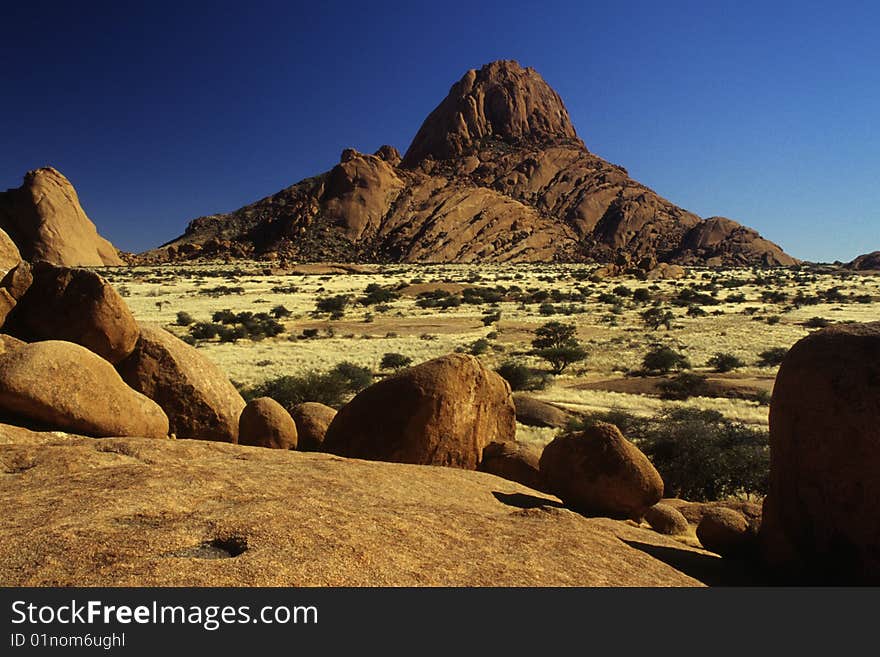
764	112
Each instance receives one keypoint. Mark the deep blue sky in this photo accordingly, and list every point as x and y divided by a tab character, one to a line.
159	113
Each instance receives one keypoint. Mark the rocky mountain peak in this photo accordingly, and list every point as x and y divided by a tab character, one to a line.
502	100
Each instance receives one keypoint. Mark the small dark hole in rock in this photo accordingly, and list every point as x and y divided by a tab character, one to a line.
220	548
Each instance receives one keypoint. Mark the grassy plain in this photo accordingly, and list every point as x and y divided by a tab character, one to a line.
742	312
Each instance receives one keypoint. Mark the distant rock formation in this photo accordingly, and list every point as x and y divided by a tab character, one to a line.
496	173
866	262
45	220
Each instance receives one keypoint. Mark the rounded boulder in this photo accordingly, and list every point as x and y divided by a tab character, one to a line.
442	412
312	420
265	423
599	472
64	386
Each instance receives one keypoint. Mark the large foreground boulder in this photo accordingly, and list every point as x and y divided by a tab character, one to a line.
312	420
820	515
265	423
75	305
196	395
61	385
134	512
599	472
443	412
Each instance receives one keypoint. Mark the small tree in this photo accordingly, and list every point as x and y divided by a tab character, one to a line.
522	377
556	343
655	317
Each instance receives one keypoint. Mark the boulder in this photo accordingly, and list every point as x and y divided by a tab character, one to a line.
442	412
9	255
726	532
7	303
75	305
599	472
18	280
666	519
536	413
312	420
197	396
694	511
515	462
820	514
265	423
62	385
45	219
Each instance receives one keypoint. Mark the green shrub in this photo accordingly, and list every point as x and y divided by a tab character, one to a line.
683	386
331	388
522	377
663	359
772	357
394	361
722	362
655	317
184	318
334	305
479	347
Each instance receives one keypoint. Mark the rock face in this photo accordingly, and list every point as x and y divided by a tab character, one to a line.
443	412
265	423
9	255
76	305
866	262
133	512
513	461
820	515
312	420
666	519
62	385
195	394
496	173
45	220
599	472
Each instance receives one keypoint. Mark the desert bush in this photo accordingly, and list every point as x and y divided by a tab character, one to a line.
334	305
642	295
523	377
331	388
479	347
279	312
722	362
184	318
663	359
683	386
656	316
394	361
817	322
375	294
772	357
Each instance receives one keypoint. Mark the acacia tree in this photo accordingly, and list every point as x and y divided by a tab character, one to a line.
556	343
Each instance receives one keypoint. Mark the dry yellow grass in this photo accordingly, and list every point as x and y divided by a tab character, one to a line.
616	337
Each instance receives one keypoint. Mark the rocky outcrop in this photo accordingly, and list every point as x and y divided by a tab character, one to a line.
46	221
442	412
496	173
9	255
312	420
75	305
134	512
820	515
265	423
196	395
599	472
866	262
61	385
